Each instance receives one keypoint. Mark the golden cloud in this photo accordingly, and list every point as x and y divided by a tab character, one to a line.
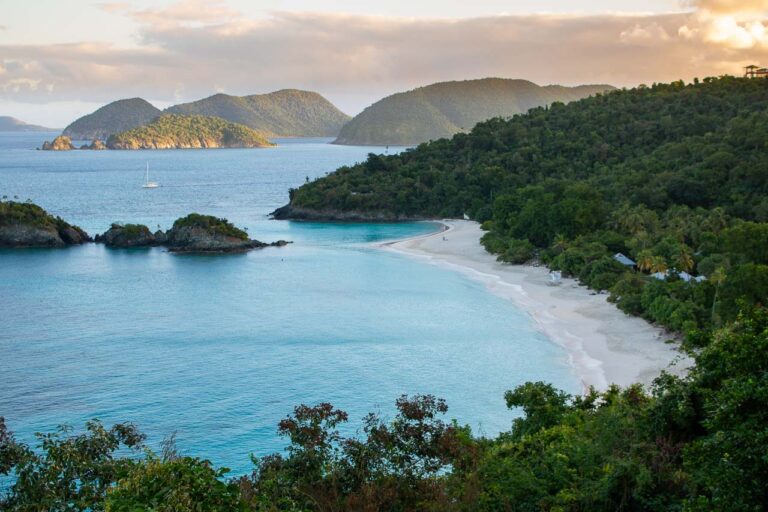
186	52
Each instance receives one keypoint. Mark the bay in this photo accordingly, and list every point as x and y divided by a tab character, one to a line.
219	348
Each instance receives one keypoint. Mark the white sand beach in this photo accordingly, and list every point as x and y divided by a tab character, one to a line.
603	344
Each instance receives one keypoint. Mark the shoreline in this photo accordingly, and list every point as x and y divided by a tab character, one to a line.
603	344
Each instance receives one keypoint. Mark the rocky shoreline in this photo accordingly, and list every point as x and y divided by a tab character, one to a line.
28	225
194	237
289	212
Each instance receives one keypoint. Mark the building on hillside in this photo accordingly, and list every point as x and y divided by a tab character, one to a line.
753	71
624	260
684	276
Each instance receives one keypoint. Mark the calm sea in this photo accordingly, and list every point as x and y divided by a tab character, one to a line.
219	348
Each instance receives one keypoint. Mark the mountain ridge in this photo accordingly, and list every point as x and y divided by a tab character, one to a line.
12	124
442	109
115	117
286	112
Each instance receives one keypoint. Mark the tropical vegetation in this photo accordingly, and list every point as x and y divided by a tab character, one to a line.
672	176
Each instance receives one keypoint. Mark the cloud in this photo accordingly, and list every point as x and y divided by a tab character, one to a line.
182	13
185	52
735	24
731	6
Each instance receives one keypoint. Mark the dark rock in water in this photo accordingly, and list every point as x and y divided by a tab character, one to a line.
28	225
127	235
200	239
160	237
60	143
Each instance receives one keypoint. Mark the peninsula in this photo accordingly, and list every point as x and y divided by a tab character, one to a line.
652	194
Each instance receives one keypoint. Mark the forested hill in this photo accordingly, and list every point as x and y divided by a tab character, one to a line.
673	176
446	108
115	117
173	131
288	112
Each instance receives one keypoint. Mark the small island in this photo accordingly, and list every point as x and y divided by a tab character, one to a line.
28	225
174	131
194	233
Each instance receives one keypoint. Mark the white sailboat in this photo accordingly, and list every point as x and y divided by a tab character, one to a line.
147	183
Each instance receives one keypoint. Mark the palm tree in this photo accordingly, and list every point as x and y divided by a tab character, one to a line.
659	264
717	278
685	259
559	244
645	260
718	220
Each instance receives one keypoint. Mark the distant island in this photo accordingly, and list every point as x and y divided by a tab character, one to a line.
443	109
11	124
289	112
171	131
116	117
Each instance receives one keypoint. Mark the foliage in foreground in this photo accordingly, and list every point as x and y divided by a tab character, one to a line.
693	443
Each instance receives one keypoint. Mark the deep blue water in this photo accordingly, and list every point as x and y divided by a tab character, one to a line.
220	348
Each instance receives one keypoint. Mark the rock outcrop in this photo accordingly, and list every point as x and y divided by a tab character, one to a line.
60	143
127	235
96	145
28	225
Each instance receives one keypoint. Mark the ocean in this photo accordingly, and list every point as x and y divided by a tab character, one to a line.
219	348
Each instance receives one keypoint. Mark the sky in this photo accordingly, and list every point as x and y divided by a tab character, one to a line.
60	59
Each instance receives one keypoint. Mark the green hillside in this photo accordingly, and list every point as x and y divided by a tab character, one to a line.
672	176
170	131
113	118
287	112
444	109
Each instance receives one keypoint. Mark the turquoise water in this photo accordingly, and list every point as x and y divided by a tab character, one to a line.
220	348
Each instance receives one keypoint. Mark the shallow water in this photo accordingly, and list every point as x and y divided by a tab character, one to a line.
220	348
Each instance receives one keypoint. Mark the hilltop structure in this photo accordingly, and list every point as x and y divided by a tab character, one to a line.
753	71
